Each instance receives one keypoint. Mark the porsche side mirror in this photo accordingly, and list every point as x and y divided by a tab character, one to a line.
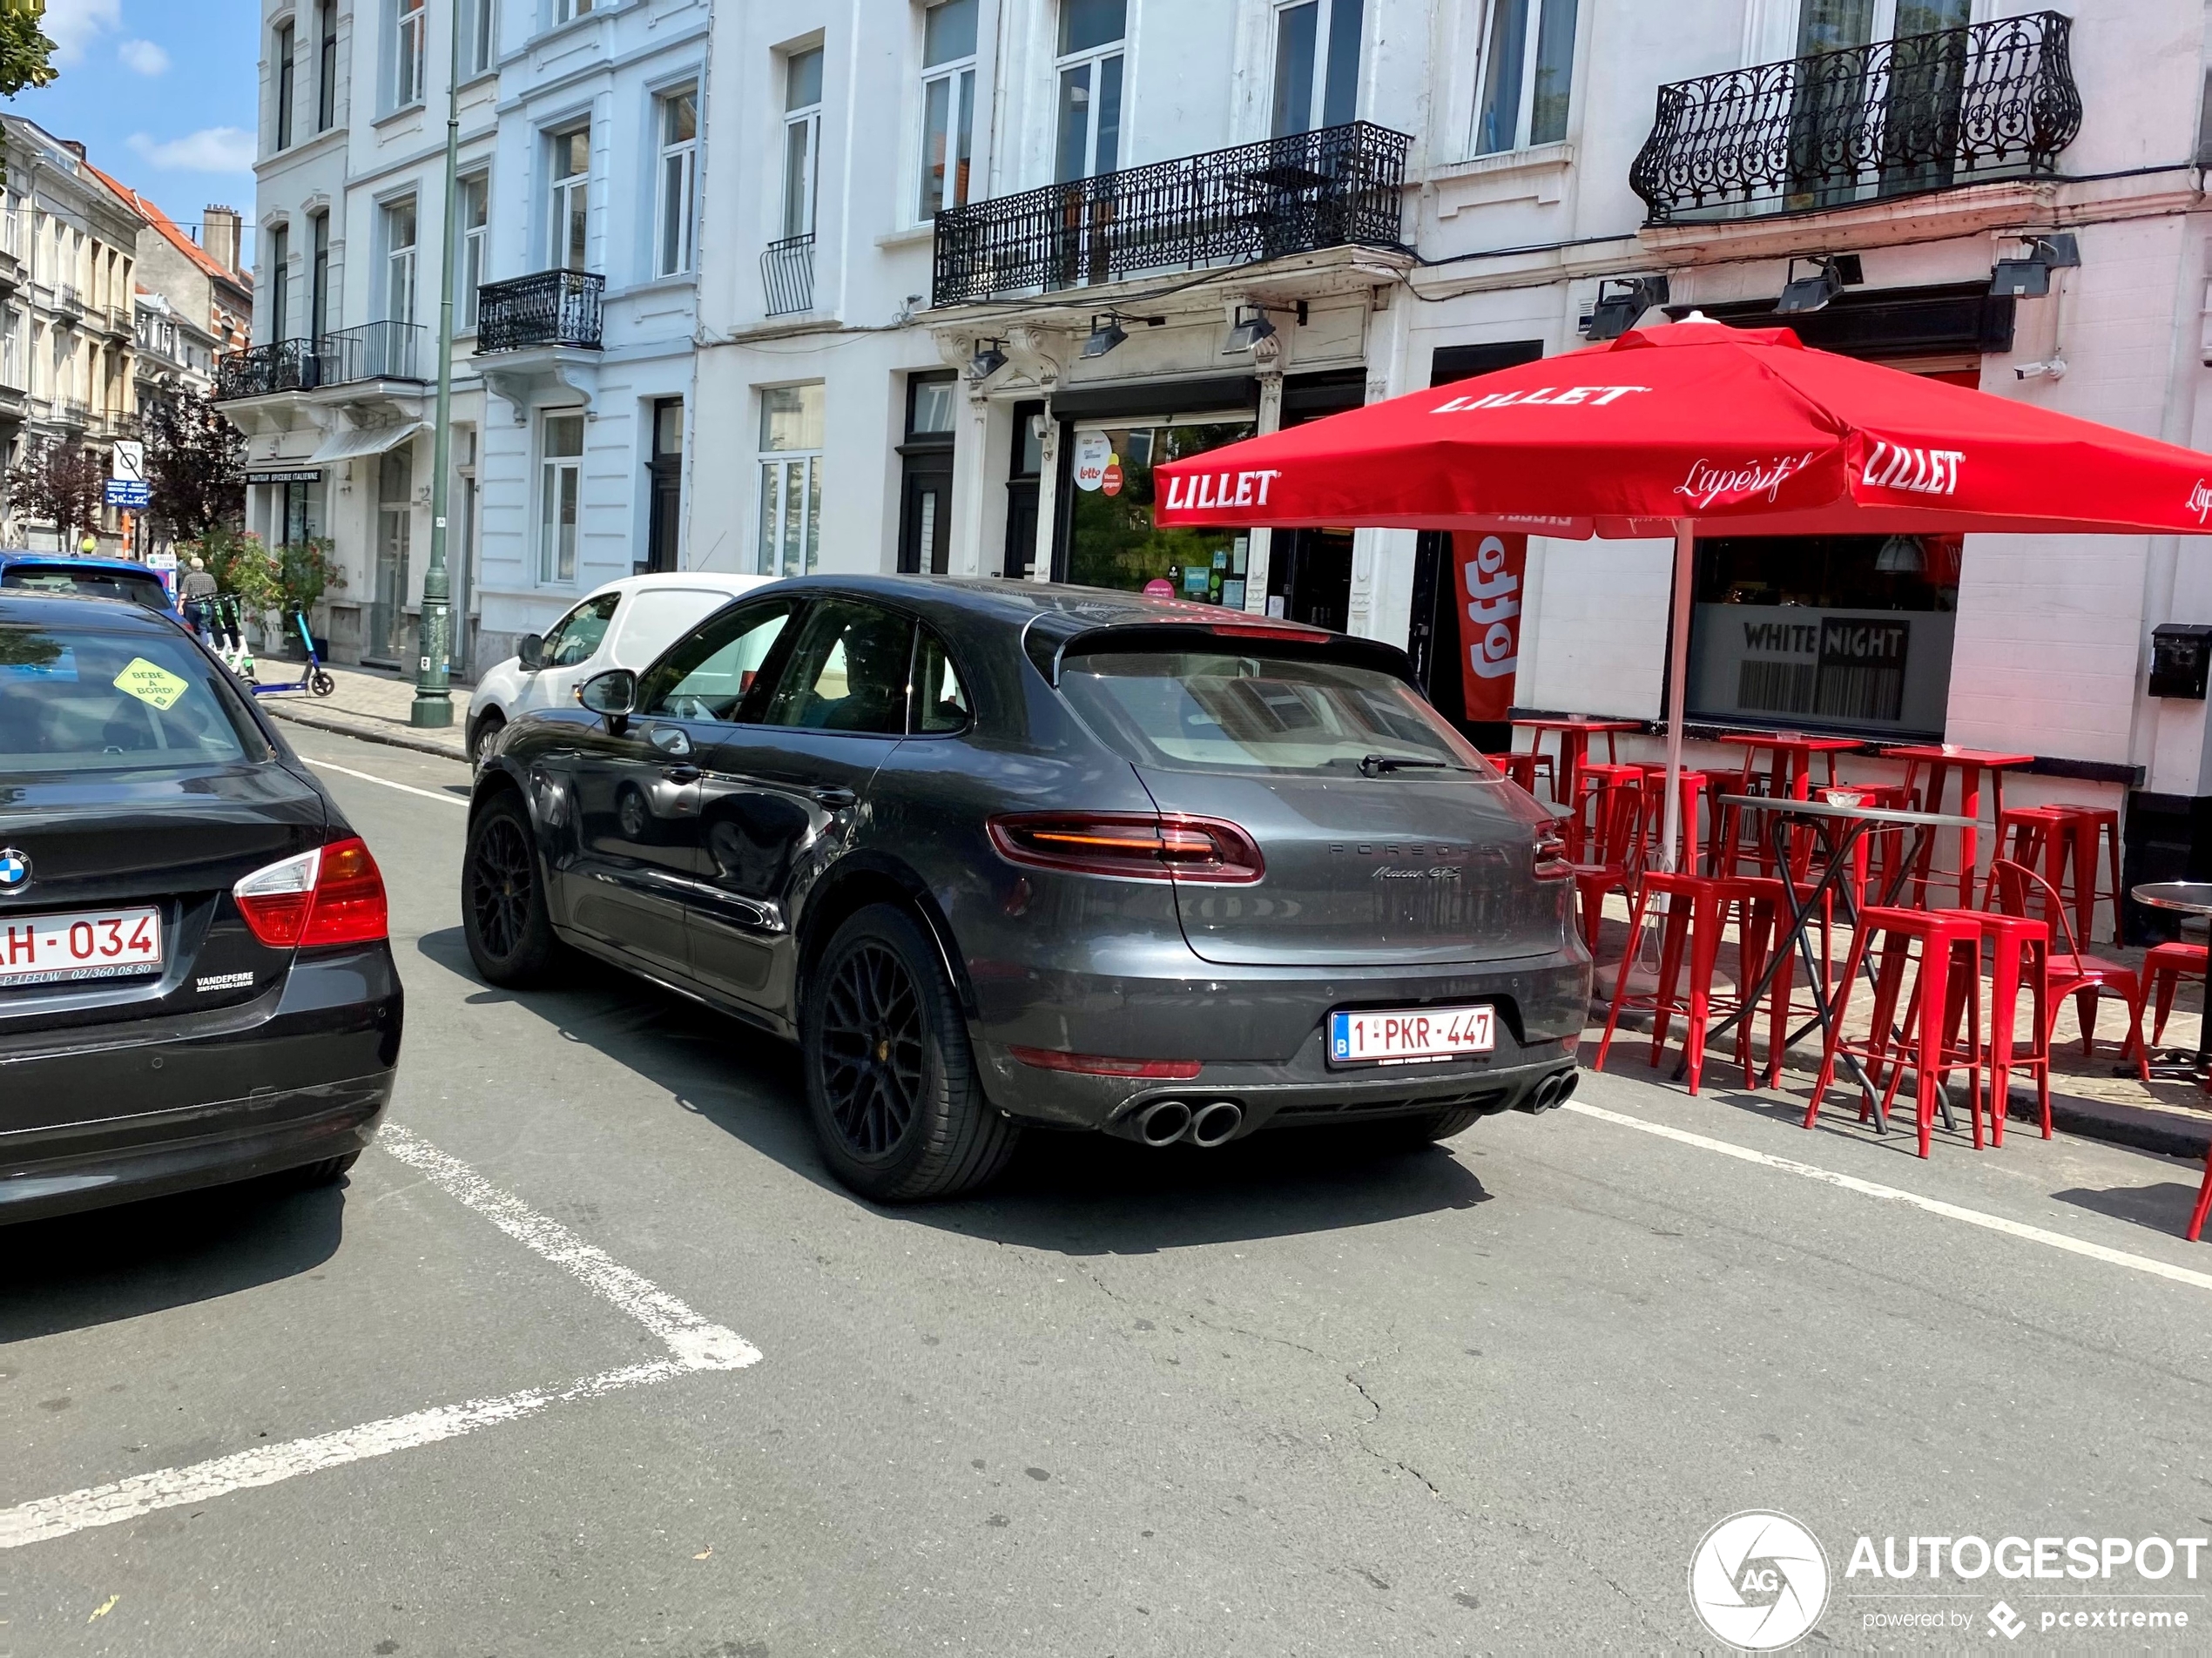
613	693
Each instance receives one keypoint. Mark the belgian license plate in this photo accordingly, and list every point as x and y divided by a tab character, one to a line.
1410	1034
87	944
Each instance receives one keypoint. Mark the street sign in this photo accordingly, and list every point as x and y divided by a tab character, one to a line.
130	462
121	493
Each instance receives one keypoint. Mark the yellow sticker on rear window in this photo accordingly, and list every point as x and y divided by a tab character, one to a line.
150	683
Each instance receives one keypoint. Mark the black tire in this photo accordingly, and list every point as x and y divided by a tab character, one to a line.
320	684
480	739
891	1080
327	1172
502	898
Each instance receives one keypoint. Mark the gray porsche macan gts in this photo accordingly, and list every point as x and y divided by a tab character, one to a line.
1000	854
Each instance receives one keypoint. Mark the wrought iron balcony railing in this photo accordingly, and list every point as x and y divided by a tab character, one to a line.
551	308
375	351
1341	186
1897	118
73	411
787	275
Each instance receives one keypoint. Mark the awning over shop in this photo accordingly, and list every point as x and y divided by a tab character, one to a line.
361	441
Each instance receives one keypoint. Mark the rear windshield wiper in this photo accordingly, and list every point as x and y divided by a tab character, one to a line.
1383	765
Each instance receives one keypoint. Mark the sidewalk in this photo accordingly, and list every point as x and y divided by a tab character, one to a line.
370	704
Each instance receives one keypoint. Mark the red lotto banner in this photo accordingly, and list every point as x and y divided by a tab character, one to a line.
1491	568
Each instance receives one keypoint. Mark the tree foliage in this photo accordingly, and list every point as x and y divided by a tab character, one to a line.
26	54
195	465
61	482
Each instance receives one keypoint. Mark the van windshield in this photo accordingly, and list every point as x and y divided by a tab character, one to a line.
1238	711
80	699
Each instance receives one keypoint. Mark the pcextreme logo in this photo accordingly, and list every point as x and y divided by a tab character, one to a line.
1759	1581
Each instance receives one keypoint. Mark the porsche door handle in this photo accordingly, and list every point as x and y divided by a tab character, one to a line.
682	773
835	799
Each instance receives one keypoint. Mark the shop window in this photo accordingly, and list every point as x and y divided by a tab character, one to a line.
1112	541
1850	633
1024	470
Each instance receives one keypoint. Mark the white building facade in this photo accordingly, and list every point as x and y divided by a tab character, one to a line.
971	267
575	260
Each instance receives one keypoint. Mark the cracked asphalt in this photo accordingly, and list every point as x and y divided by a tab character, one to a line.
1290	1398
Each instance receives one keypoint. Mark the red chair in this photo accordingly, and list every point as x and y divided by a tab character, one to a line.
2164	967
1611	858
1522	765
2073	974
1698	908
1949	941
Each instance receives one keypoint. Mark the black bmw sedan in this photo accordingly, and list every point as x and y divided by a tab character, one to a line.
998	853
195	982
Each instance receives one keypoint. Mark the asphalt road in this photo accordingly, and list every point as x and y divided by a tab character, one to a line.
1282	1399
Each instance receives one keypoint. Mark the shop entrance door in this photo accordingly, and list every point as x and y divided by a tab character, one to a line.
1309	571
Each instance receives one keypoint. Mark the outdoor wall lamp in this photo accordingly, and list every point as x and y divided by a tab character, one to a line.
1832	275
2030	277
1621	300
990	357
1107	334
1248	331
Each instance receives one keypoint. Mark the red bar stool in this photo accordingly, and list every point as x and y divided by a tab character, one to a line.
1699	907
1691	787
1616	843
2083	829
1590	777
2019	957
2030	836
1950	942
2164	967
1522	765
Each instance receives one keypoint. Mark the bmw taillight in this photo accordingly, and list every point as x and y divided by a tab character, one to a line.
1138	846
1551	856
332	895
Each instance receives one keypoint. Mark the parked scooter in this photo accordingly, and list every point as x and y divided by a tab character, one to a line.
311	679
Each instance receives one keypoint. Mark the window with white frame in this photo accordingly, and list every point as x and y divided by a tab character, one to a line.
948	104
569	11
1089	64
326	65
1317	63
11	349
560	497
802	139
568	212
287	83
790	479
399	260
479	39
1527	72
409	75
679	168
476	242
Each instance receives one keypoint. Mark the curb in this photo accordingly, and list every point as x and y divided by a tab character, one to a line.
367	733
2159	1132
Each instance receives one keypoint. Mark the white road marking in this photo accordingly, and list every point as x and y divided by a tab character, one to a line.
693	1344
370	777
1931	1205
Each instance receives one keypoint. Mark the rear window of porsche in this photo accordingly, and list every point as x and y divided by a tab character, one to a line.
81	699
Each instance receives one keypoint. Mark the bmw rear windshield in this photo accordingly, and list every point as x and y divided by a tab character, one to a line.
1281	712
80	700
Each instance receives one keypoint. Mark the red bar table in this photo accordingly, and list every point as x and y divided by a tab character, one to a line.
1941	760
1789	775
1575	734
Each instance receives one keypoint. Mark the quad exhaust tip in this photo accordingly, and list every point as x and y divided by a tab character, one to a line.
1215	1124
1162	1122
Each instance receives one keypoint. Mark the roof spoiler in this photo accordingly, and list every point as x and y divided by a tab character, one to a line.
1049	648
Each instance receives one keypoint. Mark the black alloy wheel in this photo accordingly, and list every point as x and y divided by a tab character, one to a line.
872	1050
891	1080
502	898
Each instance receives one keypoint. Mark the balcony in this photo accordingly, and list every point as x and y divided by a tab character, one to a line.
67	300
1897	118
72	411
1339	187
375	351
787	275
551	308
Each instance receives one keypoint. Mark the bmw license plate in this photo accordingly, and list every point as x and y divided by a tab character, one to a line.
87	944
1410	1034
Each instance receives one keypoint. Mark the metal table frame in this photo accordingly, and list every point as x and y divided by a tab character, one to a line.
1841	829
2169	896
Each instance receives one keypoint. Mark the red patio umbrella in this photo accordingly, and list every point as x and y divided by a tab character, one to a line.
1696	427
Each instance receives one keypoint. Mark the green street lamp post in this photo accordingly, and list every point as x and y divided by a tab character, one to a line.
433	698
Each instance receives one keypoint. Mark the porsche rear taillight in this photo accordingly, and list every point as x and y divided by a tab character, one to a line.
1139	845
332	895
1551	858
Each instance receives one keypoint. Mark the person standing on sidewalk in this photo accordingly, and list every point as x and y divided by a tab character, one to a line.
197	591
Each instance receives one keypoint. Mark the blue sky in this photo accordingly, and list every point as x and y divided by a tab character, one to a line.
162	92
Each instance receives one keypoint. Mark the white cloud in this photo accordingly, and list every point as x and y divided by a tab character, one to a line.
74	24
143	56
215	149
